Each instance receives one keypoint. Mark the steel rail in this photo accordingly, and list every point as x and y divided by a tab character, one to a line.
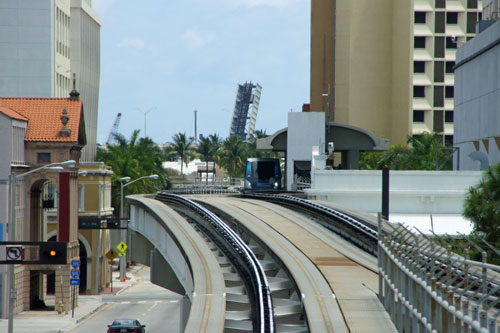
348	227
241	256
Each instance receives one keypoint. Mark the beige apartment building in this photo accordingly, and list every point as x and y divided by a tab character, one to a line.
387	65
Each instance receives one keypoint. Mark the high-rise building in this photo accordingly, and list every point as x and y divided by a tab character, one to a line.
42	44
387	65
244	118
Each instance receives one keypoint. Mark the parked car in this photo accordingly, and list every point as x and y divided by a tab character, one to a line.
126	325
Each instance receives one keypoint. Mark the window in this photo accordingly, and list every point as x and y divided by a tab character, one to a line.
439	25
419	67
419	42
449	67
420	17
52	195
448	116
451	18
440	3
418	91
448	140
449	92
43	158
439	47
81	197
438	96
418	116
439	71
450	43
471	4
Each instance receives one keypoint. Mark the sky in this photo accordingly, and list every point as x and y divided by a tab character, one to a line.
161	60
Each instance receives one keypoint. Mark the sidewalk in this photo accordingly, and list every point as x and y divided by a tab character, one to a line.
52	322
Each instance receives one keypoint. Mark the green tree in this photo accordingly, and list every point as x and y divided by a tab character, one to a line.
133	158
182	147
482	206
206	152
422	152
233	156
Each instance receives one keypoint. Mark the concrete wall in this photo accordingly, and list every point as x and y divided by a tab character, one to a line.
305	130
411	192
477	100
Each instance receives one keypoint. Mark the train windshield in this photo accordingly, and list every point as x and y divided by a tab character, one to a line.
263	170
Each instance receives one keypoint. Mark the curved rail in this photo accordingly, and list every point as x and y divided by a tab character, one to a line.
241	256
348	227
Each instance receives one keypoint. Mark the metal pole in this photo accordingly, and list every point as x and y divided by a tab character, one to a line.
122	258
12	237
99	239
385	193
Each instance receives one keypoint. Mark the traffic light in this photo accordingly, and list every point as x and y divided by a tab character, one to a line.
53	253
113	224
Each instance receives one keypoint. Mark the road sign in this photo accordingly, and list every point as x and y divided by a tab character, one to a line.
122	254
74	282
75	273
75	264
111	254
122	247
14	253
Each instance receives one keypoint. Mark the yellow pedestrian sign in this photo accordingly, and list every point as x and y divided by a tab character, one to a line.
111	254
122	247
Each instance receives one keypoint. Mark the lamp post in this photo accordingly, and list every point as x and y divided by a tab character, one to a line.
125	181
12	226
145	114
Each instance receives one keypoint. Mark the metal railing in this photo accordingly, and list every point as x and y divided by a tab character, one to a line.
425	287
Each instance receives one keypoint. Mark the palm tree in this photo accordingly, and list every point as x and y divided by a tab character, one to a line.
205	150
233	156
182	147
133	158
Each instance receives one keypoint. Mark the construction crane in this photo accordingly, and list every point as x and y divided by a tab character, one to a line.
114	129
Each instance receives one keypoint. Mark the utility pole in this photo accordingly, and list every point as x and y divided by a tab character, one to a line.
195	132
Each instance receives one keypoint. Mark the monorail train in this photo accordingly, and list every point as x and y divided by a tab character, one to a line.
263	174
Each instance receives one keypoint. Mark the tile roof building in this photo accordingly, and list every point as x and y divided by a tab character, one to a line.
42	45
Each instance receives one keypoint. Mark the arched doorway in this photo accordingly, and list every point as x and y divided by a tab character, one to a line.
51	277
36	233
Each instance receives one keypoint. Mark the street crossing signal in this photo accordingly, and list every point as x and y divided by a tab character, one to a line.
53	253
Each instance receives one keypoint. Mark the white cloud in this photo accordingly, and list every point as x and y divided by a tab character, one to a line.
132	43
197	39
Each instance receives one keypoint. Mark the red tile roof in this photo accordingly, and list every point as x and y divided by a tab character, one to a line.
12	114
44	117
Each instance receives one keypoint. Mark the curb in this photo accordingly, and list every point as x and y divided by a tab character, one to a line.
91	312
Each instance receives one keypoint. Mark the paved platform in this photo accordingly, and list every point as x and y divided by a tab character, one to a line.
47	321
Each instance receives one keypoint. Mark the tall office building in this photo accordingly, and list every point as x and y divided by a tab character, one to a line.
42	44
387	65
246	108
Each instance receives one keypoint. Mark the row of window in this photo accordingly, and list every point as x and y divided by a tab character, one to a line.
471	4
449	91
419	66
419	42
442	19
421	18
419	116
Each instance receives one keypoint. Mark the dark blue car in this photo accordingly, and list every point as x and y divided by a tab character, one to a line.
126	325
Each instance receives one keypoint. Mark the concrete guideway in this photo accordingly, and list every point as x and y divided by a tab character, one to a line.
353	285
208	291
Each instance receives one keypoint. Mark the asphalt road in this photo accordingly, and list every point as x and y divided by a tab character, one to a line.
153	306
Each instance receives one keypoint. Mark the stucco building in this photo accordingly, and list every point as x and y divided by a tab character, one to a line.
387	65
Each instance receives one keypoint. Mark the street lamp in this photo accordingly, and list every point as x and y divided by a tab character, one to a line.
12	225
125	181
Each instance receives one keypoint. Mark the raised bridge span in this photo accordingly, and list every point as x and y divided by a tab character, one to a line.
314	279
